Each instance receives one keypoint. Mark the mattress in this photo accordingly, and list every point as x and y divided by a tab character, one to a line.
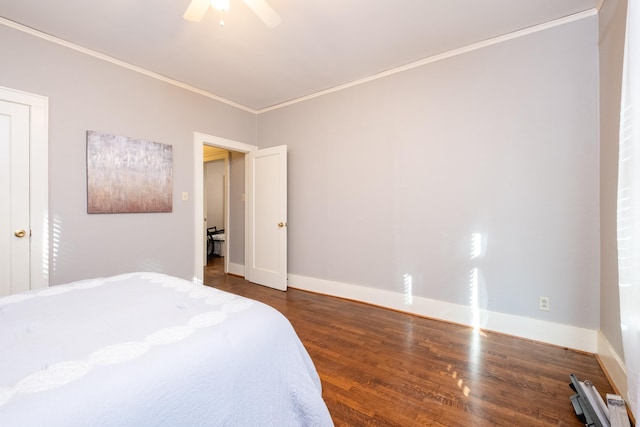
146	349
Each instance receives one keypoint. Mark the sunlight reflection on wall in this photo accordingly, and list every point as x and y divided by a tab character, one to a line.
45	247
56	243
408	289
150	265
478	247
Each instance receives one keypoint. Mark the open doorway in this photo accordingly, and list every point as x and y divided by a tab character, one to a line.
234	236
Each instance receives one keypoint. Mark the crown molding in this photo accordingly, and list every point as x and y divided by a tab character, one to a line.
112	60
445	55
435	58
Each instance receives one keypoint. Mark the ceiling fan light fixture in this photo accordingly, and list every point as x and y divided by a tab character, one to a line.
198	8
222	5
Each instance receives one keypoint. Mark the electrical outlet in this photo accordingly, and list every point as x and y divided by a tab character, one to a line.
544	303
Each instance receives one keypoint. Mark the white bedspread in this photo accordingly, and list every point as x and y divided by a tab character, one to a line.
145	349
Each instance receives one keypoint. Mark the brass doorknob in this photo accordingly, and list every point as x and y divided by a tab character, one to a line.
20	233
282	224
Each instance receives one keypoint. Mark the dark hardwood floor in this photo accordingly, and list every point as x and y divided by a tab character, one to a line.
384	368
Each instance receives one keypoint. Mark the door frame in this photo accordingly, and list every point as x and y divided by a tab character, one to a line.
200	139
38	181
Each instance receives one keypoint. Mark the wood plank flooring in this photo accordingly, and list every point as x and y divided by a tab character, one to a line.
384	368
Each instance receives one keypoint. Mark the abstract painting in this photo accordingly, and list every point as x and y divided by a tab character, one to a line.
126	175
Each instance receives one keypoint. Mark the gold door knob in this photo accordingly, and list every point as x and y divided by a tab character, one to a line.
20	233
282	224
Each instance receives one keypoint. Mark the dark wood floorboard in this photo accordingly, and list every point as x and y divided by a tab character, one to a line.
384	368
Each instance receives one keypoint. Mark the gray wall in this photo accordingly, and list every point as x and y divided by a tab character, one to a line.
612	27
235	239
86	93
385	179
393	177
214	184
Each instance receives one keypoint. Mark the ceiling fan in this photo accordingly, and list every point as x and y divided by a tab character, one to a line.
197	8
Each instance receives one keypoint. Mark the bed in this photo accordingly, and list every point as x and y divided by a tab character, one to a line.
146	349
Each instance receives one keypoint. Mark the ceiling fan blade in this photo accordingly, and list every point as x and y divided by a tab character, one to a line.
264	12
196	10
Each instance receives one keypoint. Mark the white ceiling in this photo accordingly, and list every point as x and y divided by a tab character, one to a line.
319	45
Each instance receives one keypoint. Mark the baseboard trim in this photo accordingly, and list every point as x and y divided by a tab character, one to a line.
582	339
236	269
534	329
612	365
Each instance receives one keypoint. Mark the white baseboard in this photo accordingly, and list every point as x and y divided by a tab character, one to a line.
236	269
524	327
582	339
613	365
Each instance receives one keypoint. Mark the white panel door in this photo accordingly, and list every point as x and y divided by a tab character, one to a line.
266	217
14	189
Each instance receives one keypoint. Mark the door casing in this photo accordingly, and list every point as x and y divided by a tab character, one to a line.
200	139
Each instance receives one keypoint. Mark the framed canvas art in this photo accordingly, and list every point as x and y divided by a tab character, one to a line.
126	175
